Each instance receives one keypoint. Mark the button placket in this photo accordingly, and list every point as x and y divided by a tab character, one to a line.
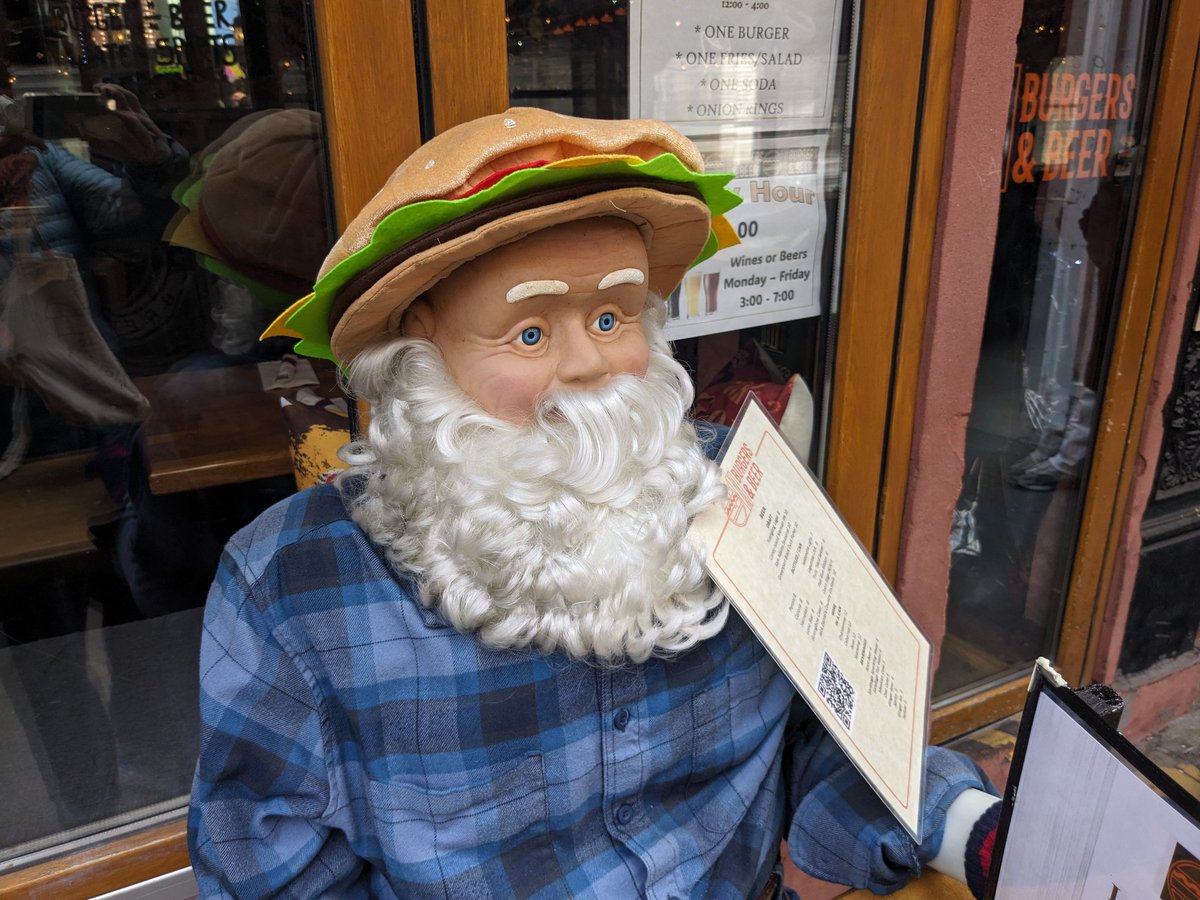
619	696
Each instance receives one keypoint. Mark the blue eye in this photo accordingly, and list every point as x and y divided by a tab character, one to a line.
531	336
606	322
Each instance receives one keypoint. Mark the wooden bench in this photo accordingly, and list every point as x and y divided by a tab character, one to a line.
46	506
209	427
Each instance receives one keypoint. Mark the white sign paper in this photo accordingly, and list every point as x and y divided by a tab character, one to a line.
813	596
774	275
1085	825
700	64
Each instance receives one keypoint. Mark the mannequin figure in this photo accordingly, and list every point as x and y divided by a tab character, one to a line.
489	661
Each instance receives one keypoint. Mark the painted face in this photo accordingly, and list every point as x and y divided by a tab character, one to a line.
558	309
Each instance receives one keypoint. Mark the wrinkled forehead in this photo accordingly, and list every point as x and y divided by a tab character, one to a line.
570	243
594	254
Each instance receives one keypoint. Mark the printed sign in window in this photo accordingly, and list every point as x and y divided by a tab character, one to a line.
706	63
774	274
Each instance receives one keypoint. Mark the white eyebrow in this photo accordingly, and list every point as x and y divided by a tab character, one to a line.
622	276
527	289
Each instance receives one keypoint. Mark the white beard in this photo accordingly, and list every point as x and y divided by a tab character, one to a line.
568	534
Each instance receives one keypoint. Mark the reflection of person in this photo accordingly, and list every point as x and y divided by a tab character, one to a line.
80	201
490	662
54	208
53	205
1062	451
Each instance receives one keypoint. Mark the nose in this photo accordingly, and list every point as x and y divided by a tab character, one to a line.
581	362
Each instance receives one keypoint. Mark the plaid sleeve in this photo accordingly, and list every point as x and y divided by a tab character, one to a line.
261	798
842	832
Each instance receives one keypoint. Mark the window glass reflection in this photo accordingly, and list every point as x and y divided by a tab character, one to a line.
163	195
1078	119
571	57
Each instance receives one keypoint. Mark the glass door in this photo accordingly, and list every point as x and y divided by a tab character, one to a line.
1083	90
1096	160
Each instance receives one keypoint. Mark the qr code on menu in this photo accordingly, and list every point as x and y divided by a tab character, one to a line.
836	691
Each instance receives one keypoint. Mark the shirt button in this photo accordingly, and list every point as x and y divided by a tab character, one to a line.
621	719
624	814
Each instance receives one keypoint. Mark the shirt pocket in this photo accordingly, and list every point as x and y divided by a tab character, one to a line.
459	820
727	729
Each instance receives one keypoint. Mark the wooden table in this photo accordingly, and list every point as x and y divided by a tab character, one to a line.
217	426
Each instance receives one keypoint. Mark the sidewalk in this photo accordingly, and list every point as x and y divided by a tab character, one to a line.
1175	749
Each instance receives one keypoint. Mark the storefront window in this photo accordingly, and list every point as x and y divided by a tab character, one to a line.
163	194
763	91
1078	124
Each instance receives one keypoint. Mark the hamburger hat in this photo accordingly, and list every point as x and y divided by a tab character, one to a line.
273	163
495	180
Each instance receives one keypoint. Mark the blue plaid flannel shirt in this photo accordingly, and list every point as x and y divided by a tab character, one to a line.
355	745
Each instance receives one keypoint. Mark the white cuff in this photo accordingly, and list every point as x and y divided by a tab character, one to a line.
961	817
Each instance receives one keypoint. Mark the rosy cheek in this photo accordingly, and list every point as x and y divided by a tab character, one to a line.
511	396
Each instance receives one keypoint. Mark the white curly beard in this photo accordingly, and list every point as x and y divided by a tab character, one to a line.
568	534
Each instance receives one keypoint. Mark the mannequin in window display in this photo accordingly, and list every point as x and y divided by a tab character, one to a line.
488	661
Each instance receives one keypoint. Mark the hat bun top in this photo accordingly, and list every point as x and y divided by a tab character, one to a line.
457	160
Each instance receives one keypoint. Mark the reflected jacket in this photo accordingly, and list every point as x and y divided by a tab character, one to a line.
77	202
353	744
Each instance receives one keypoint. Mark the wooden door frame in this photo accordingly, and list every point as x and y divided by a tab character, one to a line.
898	136
368	71
468	60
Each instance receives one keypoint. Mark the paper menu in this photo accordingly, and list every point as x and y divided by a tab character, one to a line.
703	65
810	592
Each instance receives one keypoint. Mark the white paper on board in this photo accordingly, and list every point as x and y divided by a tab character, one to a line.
804	584
1084	824
701	64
